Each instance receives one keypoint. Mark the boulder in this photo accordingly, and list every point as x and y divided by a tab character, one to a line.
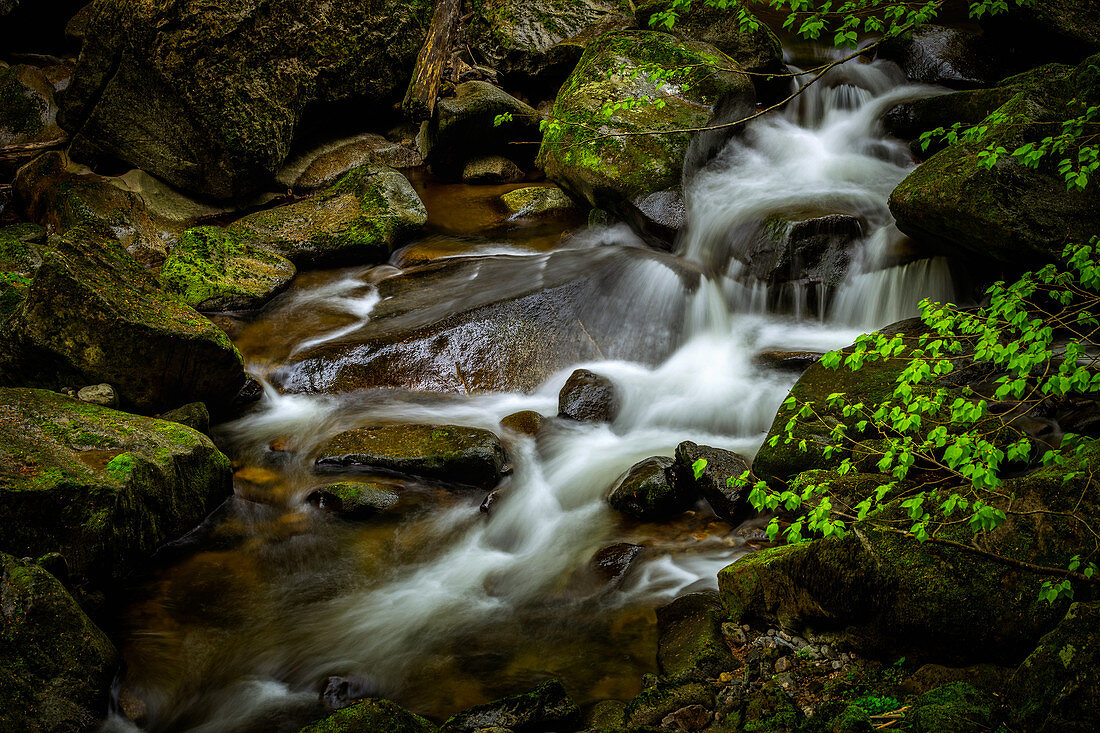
491	169
951	57
322	166
102	487
792	249
650	492
588	397
786	361
611	564
526	422
194	415
56	667
690	642
606	161
538	201
1007	212
28	113
212	269
361	217
103	395
208	96
446	453
546	708
464	128
354	499
92	315
728	502
371	715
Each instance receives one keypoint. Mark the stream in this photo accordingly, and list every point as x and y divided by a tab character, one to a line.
438	605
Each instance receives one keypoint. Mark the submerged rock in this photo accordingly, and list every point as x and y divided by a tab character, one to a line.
354	499
546	708
102	487
730	503
465	128
649	491
56	667
588	397
371	715
447	453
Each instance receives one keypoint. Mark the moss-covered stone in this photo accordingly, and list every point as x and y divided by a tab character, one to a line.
954	708
354	499
212	269
603	159
92	315
537	201
56	667
650	706
690	641
548	707
377	716
19	259
448	453
838	717
360	218
27	110
102	487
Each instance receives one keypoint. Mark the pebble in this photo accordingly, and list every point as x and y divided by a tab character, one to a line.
837	664
783	664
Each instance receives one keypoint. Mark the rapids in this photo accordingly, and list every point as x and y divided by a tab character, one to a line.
444	607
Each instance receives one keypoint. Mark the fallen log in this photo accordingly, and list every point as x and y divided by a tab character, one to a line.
423	90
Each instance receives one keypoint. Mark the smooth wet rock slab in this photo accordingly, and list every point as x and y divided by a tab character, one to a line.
446	453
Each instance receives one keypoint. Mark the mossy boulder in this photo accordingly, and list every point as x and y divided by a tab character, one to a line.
464	128
322	166
649	491
354	499
56	666
378	715
208	96
1007	212
19	259
1057	688
605	160
546	708
102	487
690	642
360	218
92	314
28	113
954	708
650	706
448	453
212	269
538	201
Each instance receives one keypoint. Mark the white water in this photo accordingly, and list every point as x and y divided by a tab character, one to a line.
825	155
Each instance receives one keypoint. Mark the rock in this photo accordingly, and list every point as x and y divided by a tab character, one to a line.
103	395
341	692
654	703
361	218
612	172
464	128
613	562
92	315
491	499
216	114
649	491
786	361
538	201
371	715
546	708
727	502
447	453
658	217
56	667
988	677
491	169
838	717
588	397
104	488
813	250
194	415
692	717
527	422
1007	213
951	57
323	166
605	715
1057	688
20	257
28	113
690	641
212	269
354	499
954	708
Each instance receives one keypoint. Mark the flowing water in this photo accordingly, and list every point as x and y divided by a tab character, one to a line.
438	605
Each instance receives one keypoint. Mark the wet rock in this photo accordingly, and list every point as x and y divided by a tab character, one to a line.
547	708
361	218
92	315
527	422
323	166
103	395
690	640
787	361
340	692
728	502
611	172
354	499
464	128
447	453
588	397
371	715
649	491
102	487
212	269
657	701
218	114
194	415
952	57
613	562
657	217
790	249
491	169
605	715
537	201
491	499
58	666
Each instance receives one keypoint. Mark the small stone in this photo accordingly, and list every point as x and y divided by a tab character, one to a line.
527	422
588	397
783	635
845	657
194	415
837	664
771	632
726	677
489	501
783	664
734	634
692	717
784	680
99	394
826	650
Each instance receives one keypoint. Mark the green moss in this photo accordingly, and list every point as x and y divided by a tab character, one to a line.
377	716
21	112
954	708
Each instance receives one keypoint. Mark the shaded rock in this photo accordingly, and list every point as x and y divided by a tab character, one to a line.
217	112
690	640
952	57
649	491
212	269
353	499
360	218
491	499
104	488
546	708
371	715
447	453
613	562
323	166
464	128
954	708
491	169
654	703
194	415
804	250
103	395
20	257
787	361
692	717
727	502
537	201
611	172
657	217
28	113
988	677
605	715
56	667
92	315
527	422
340	692
588	397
